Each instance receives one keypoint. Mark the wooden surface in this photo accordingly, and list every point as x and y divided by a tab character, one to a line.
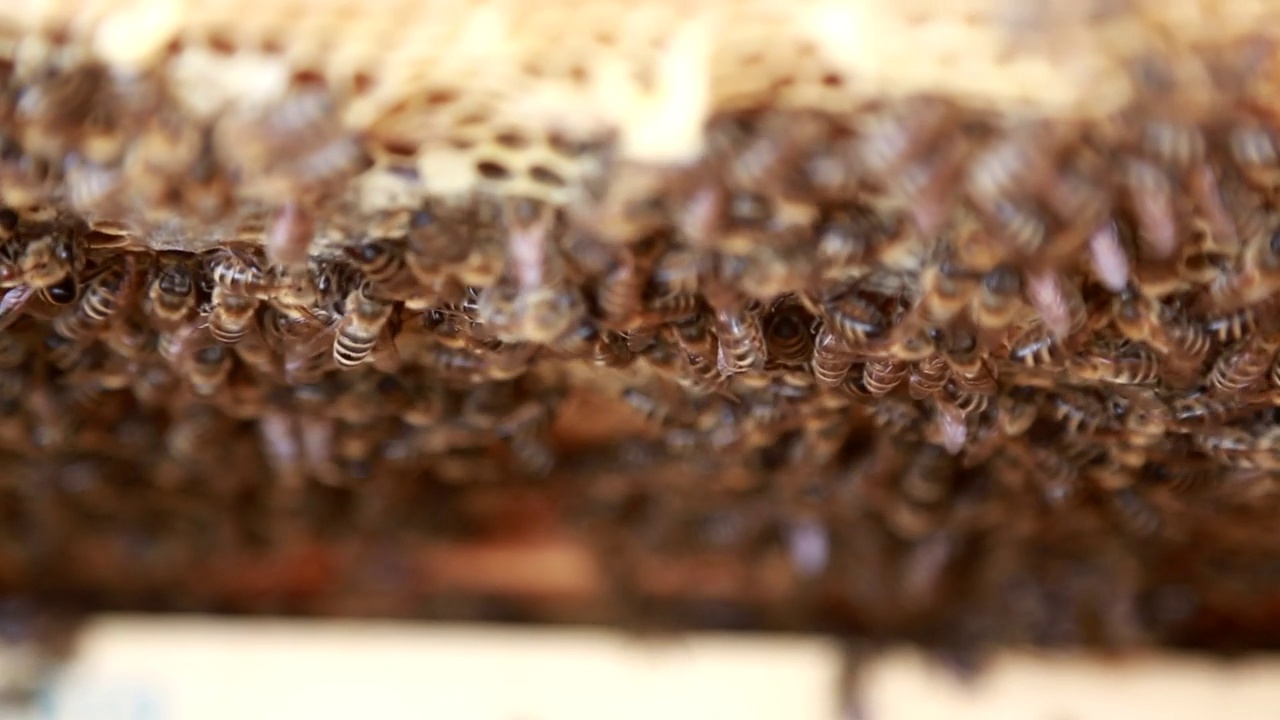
131	668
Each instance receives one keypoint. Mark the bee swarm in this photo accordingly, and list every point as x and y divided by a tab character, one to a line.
720	330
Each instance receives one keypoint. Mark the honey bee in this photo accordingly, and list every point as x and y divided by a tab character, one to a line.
694	336
172	292
1152	201
622	290
671	308
1254	150
676	272
950	428
1232	326
881	376
928	377
293	287
433	236
945	292
653	409
545	314
1234	447
787	335
1006	166
1174	145
1078	412
1243	365
288	241
998	301
1201	409
741	342
207	368
51	259
383	262
106	293
507	361
237	271
1018	225
231	315
1128	364
611	350
831	360
1035	347
1208	196
361	326
1137	513
844	248
1110	262
1059	303
854	320
456	363
702	373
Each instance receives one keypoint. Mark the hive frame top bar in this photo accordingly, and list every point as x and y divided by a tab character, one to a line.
651	71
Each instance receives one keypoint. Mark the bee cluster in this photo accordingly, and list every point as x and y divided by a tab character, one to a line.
917	370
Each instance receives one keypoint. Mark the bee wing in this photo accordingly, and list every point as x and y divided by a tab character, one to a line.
12	303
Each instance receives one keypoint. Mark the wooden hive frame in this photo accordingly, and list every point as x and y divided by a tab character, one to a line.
943	324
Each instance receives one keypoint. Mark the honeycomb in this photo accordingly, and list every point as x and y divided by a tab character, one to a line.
948	325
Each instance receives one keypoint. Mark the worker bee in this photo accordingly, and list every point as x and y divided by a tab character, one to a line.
1110	262
1254	150
853	319
622	291
1207	193
207	368
1243	365
383	263
237	271
1151	197
361	325
1061	307
293	287
950	427
611	350
1035	347
1174	145
676	272
1128	364
832	358
844	247
1203	409
1018	225
545	314
881	376
945	292
289	236
787	334
652	408
671	308
693	334
998	300
1232	326
1078	411
172	292
741	341
928	377
231	315
106	293
1004	167
432	243
50	260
